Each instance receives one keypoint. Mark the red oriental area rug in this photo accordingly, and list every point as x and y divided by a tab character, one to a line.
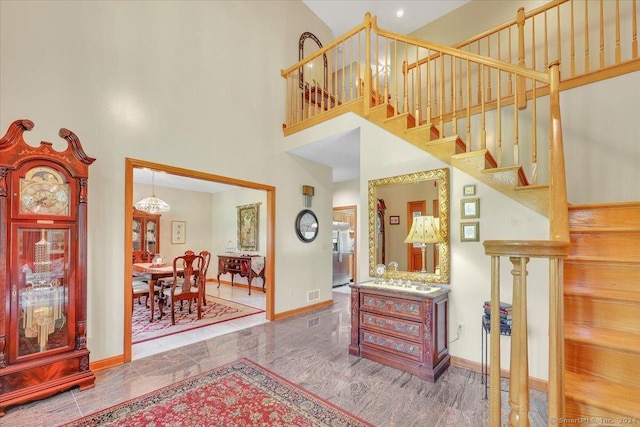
240	394
217	310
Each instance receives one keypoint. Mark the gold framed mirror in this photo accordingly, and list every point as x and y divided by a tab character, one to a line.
404	197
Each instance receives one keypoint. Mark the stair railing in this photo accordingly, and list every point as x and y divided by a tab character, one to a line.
454	106
441	91
592	40
314	97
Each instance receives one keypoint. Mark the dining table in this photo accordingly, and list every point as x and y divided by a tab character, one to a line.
154	272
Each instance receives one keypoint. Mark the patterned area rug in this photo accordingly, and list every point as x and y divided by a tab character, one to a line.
239	394
217	310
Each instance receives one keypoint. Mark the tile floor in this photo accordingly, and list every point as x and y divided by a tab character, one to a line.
311	350
241	295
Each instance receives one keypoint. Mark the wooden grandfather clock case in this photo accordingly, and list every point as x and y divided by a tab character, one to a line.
43	267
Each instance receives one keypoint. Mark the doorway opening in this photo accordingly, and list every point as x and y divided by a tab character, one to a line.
130	165
345	254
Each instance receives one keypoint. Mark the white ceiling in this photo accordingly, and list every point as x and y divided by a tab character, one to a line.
343	15
342	152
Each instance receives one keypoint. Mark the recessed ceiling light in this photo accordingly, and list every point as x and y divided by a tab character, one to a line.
399	13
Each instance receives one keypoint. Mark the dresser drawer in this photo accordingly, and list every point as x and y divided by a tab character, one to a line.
405	348
389	305
401	328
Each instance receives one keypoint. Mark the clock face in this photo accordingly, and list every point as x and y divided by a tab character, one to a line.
44	191
307	226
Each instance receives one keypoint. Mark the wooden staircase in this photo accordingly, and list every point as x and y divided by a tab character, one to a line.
480	164
602	313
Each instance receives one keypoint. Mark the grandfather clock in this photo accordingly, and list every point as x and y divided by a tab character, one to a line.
43	267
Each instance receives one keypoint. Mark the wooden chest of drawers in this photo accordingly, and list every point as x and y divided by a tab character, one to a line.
401	328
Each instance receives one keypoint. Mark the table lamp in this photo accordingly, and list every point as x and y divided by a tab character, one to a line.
425	229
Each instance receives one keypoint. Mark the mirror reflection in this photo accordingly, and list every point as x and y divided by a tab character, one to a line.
409	225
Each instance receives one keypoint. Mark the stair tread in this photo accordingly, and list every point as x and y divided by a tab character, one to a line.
594	292
603	337
420	128
599	229
619	259
533	187
503	169
582	260
615	398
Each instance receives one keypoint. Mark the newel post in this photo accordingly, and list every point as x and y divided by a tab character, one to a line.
559	232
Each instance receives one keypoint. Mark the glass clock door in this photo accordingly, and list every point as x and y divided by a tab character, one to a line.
40	290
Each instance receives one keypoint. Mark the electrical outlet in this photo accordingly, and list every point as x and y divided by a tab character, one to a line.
460	329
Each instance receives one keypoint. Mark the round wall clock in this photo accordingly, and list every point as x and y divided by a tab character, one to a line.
307	225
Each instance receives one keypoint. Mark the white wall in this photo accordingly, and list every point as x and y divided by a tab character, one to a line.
190	206
225	225
189	84
602	140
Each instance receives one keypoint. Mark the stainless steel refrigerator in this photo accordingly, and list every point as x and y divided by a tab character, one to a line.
342	250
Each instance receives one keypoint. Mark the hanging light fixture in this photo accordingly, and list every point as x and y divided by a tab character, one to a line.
152	204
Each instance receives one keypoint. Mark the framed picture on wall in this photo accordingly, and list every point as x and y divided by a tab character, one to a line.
394	220
178	232
248	226
469	231
470	208
469	190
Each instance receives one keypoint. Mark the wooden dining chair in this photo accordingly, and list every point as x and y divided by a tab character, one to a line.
183	286
140	282
202	275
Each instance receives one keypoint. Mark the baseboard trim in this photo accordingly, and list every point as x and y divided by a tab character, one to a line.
535	383
304	309
238	285
107	363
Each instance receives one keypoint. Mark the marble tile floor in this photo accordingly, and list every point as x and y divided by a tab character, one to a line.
310	350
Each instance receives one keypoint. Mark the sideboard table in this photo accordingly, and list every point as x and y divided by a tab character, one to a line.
243	265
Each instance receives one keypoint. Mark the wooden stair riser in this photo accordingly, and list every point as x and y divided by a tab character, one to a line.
620	315
576	410
423	133
379	113
601	275
592	396
399	124
615	215
615	246
620	367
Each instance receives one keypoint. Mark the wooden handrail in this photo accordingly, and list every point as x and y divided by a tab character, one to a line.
327	48
469	56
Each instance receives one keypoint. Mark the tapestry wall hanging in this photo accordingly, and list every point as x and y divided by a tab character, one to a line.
248	219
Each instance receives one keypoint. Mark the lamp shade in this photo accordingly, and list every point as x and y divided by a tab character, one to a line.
425	229
152	204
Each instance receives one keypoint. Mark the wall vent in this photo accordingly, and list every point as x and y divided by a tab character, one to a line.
314	321
313	295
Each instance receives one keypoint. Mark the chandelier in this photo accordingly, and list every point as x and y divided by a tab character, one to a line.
152	204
